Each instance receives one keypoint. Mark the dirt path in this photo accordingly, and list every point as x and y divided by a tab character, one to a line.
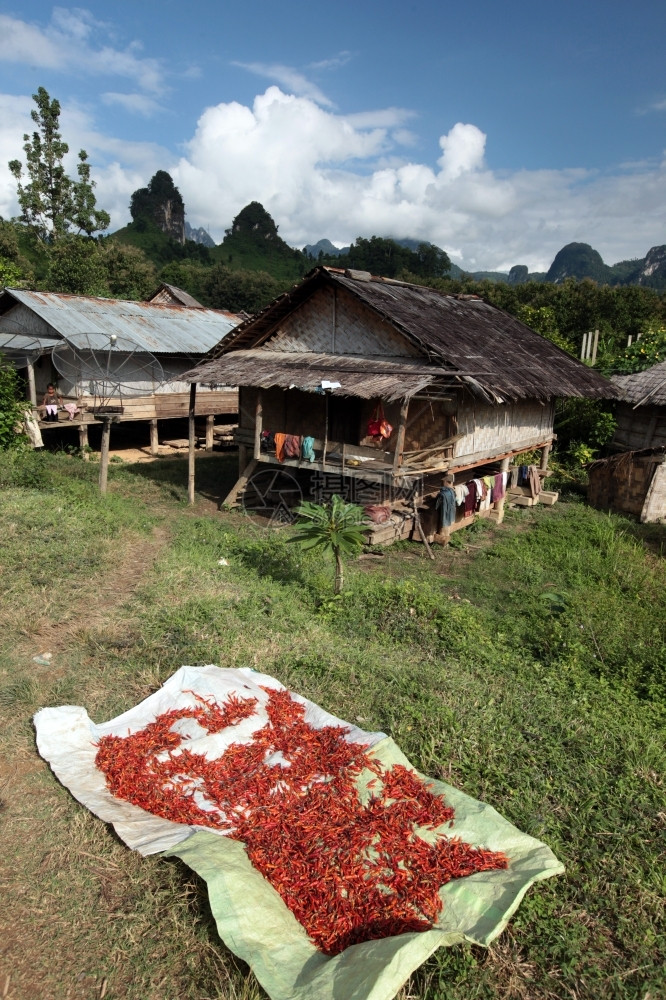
41	884
108	592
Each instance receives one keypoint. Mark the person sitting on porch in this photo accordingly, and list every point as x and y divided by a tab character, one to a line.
52	398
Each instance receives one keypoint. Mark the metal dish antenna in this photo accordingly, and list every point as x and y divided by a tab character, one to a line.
110	368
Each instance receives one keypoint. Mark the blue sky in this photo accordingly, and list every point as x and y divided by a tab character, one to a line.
498	131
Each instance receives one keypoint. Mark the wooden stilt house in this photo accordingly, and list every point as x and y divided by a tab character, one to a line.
463	386
172	327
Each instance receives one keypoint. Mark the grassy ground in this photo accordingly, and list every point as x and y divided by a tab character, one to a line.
526	665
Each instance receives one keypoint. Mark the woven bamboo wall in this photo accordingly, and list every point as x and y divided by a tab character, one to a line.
644	427
501	428
428	423
627	483
334	323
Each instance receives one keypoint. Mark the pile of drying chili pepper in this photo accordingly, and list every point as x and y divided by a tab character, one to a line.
349	870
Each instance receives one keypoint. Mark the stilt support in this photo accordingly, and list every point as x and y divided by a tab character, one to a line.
83	441
231	499
210	424
154	439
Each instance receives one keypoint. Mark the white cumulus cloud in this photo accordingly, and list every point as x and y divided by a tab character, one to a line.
325	174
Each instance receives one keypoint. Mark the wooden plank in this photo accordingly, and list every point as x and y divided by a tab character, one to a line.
231	499
400	440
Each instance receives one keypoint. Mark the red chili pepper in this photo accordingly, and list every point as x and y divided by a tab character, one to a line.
348	872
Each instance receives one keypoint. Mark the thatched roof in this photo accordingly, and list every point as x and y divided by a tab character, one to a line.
490	351
368	377
646	388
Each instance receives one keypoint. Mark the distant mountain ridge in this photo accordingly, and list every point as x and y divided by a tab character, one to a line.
575	260
252	242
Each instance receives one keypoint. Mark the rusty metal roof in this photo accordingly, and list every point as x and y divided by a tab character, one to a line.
159	329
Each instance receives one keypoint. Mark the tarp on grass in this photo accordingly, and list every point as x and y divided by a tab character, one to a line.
251	916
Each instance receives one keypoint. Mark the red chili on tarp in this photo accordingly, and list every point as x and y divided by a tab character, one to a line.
348	870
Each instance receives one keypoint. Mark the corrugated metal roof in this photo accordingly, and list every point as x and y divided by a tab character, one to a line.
159	329
26	344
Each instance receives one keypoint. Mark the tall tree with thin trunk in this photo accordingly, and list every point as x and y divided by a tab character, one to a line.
52	203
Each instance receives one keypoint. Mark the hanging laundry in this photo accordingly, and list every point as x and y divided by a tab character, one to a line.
533	480
461	492
498	487
267	442
489	481
307	449
513	475
446	504
486	499
470	499
292	446
279	445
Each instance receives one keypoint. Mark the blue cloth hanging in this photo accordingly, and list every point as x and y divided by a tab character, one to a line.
446	504
307	449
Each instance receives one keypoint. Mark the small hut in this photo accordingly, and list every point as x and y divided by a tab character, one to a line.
388	387
641	412
634	481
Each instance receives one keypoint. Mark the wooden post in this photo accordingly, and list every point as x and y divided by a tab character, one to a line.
210	437
545	453
594	347
400	439
154	439
499	504
31	383
191	443
323	454
83	441
104	455
258	424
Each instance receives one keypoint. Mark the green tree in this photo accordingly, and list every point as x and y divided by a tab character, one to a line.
51	202
336	529
76	266
128	272
15	269
11	412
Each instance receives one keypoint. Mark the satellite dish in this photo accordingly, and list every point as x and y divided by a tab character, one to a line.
109	368
19	348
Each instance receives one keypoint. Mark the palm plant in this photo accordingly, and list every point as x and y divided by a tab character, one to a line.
336	527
